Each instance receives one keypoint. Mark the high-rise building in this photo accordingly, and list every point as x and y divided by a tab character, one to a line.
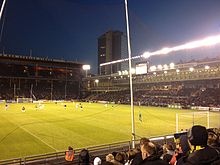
111	46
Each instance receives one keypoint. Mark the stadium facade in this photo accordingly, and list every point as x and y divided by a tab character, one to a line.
39	78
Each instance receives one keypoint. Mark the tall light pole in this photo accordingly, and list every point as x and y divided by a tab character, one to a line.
86	68
130	75
2	8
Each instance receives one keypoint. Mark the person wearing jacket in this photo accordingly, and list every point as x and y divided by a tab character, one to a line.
201	153
150	155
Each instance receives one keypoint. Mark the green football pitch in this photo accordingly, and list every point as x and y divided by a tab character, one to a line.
51	127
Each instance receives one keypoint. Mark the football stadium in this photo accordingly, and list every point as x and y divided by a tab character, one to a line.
134	111
42	112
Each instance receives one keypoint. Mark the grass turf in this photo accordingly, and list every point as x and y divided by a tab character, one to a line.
54	128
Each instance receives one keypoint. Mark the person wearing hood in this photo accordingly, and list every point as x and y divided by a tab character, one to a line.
201	153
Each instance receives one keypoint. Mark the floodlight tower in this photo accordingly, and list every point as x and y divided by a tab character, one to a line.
86	68
130	75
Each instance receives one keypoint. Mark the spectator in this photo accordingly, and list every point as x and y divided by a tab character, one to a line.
69	155
97	161
109	158
168	152
138	157
213	138
201	154
130	156
119	159
150	155
84	158
182	148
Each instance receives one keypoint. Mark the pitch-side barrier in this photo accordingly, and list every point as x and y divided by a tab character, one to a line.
100	151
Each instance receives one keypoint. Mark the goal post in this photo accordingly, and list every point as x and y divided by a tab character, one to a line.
186	120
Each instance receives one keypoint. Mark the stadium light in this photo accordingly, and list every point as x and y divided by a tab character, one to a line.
153	68
208	41
165	72
177	71
207	67
172	65
126	72
165	67
146	55
159	67
96	82
133	70
86	68
191	69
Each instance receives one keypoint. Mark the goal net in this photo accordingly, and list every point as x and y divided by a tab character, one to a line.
184	121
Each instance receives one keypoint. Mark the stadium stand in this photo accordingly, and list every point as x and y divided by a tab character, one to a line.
38	78
198	87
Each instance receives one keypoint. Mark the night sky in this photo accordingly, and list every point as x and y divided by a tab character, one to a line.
68	29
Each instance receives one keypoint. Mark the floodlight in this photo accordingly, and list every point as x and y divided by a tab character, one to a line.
153	68
172	65
160	67
96	81
212	40
133	70
146	55
207	67
126	72
86	67
177	71
165	67
191	69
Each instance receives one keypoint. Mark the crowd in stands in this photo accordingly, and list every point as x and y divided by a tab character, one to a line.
184	97
46	90
198	146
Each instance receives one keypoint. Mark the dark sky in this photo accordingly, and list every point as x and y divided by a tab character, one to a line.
68	29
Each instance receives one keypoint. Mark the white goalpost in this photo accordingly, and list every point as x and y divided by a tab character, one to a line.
184	121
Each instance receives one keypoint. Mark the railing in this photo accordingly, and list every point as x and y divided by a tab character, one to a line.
58	157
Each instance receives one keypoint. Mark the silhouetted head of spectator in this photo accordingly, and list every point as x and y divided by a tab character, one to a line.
84	157
131	154
213	138
167	148
120	157
70	148
114	153
198	136
184	144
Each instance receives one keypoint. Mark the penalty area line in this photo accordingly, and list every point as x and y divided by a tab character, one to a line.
38	138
